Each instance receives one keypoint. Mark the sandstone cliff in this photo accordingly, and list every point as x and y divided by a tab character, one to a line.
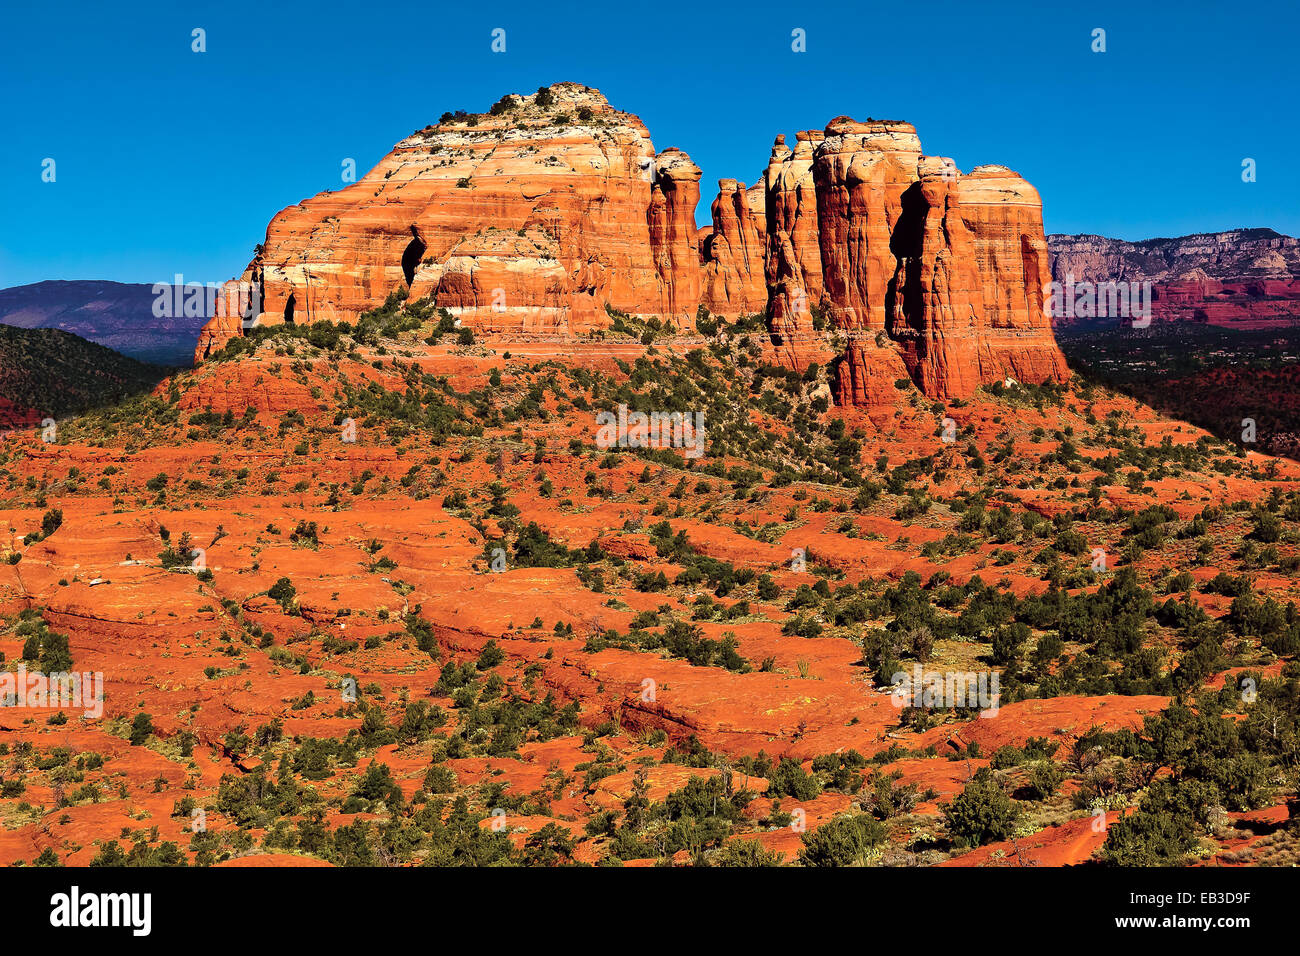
541	215
926	269
530	220
734	251
794	258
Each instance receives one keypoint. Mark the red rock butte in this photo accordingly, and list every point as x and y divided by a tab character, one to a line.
540	217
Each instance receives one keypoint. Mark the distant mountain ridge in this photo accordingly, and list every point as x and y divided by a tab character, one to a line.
1233	255
1238	278
118	315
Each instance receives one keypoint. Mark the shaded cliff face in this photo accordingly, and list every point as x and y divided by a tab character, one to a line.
1241	278
536	219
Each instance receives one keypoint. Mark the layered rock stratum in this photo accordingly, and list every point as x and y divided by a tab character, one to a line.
554	211
1240	278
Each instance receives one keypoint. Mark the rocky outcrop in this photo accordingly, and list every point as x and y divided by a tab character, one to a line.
936	300
554	209
928	272
794	260
532	218
734	251
238	303
1005	216
674	196
1242	278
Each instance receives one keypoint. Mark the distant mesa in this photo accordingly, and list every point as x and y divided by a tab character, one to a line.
1239	278
552	207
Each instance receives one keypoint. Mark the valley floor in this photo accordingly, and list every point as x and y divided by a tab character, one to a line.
471	636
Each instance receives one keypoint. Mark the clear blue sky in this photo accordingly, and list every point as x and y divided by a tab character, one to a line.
172	161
